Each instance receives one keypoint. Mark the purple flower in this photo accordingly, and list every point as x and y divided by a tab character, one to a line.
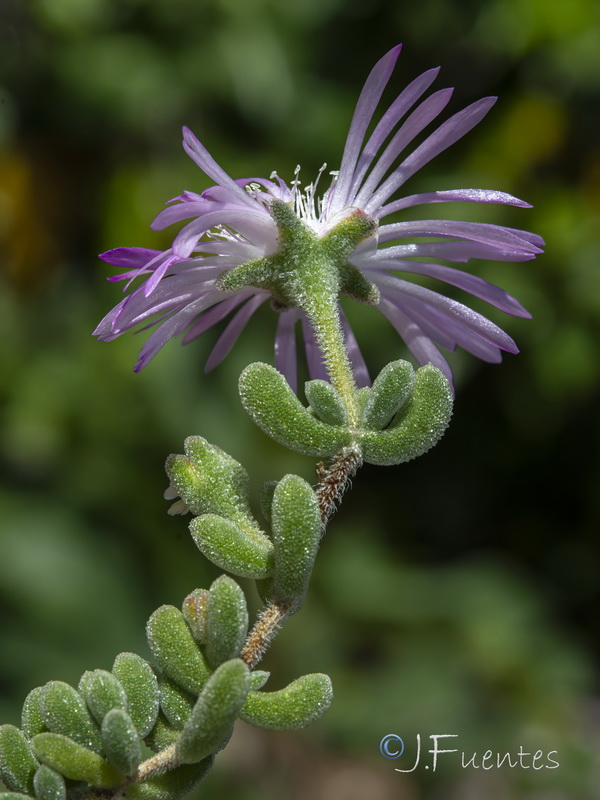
181	291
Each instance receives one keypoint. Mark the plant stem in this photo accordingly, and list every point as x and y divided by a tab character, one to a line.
263	633
324	315
156	765
334	481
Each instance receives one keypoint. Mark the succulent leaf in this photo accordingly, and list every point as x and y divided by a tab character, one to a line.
209	481
270	401
215	711
246	553
32	719
139	682
266	499
65	712
226	621
258	678
49	784
301	702
194	612
417	427
390	390
296	535
17	763
175	649
102	692
74	761
162	734
176	704
120	742
326	402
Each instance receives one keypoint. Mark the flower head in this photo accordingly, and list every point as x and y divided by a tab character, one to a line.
248	239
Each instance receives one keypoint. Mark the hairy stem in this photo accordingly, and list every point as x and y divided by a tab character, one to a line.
263	632
334	480
324	314
156	765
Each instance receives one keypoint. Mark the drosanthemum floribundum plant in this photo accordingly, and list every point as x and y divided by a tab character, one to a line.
252	240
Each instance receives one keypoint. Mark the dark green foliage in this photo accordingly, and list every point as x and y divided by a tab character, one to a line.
268	398
301	702
247	552
162	735
102	692
139	682
216	709
175	703
296	521
120	742
418	425
65	712
74	761
32	719
49	784
17	764
258	678
325	402
390	390
226	621
209	481
175	650
194	611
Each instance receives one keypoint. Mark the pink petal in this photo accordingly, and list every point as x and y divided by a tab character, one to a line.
365	108
449	132
233	330
452	196
418	121
285	346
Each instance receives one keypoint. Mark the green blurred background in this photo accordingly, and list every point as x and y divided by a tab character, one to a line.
457	594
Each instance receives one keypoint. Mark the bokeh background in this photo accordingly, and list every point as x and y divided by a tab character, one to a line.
457	594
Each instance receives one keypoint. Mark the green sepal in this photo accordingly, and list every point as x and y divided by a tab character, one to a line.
162	734
270	401
74	761
175	649
49	784
139	682
296	534
216	709
418	426
226	621
176	783
65	712
194	612
176	704
17	764
326	402
209	481
102	692
32	719
258	678
301	702
354	284
120	742
391	389
246	553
